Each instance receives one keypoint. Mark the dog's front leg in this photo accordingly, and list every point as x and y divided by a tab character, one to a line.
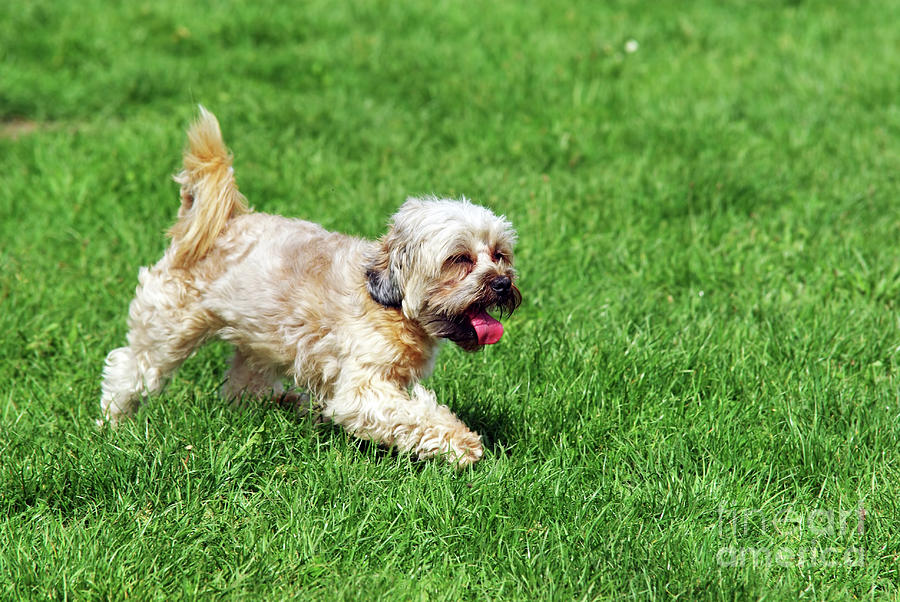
411	422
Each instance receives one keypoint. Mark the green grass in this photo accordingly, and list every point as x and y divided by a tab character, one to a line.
705	364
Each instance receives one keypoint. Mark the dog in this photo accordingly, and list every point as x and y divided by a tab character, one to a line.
355	323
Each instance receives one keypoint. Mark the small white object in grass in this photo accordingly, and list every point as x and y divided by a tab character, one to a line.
700	293
631	46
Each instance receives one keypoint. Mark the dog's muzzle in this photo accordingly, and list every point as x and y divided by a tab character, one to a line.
501	284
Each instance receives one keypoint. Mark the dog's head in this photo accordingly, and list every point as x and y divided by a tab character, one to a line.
445	264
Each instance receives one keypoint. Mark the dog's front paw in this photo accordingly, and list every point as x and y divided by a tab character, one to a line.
464	449
458	445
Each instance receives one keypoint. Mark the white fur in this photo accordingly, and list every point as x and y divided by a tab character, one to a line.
293	299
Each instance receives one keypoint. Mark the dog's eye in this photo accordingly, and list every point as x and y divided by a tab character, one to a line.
462	259
498	257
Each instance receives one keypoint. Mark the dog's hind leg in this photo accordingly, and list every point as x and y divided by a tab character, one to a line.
165	324
247	379
260	381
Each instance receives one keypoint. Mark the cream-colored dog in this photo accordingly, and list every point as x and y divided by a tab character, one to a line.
356	323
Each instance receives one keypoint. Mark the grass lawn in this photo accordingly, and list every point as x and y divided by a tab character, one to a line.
698	397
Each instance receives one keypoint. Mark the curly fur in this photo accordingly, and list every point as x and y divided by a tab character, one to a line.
356	323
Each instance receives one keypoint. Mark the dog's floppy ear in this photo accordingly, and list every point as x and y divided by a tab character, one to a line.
380	282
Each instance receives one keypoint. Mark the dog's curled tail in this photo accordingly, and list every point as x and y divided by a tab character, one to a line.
209	194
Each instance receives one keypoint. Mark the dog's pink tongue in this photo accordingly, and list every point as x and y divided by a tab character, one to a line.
488	329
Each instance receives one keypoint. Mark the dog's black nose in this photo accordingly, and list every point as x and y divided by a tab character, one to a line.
501	284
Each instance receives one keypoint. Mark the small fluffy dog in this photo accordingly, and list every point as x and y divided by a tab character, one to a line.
356	323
